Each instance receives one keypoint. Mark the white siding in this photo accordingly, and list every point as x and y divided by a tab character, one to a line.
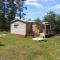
21	29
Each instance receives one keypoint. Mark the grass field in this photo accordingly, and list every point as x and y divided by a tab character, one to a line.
14	47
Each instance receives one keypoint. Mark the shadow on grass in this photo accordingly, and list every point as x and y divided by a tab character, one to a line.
48	36
58	34
1	44
45	40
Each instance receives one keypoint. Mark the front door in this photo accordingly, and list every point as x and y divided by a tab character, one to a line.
29	29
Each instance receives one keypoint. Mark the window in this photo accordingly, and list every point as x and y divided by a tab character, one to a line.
16	25
47	26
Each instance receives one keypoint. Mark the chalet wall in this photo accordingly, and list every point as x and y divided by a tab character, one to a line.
20	29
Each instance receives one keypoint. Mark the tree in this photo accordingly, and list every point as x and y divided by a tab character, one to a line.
3	24
57	23
9	8
38	23
12	6
37	27
20	7
50	17
54	19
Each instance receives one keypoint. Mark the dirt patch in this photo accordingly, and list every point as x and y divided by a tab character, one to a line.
2	35
13	53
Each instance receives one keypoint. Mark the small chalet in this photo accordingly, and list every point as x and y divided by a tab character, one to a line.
25	28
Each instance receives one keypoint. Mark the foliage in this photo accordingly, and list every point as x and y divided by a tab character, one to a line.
38	23
8	10
3	23
57	23
54	19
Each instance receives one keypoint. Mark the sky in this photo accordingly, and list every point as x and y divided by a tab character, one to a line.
39	8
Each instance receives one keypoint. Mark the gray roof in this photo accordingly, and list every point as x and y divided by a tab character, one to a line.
24	21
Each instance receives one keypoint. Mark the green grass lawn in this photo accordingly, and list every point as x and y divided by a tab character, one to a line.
14	47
